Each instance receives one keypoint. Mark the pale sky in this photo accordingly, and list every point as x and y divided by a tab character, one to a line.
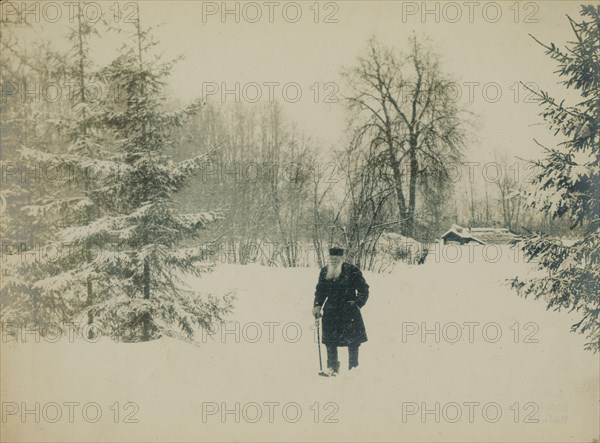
480	49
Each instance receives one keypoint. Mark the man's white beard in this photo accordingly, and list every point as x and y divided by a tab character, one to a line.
333	271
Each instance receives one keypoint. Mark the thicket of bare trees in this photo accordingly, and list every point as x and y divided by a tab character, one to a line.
264	174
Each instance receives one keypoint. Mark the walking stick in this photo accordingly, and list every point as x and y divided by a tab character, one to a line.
321	373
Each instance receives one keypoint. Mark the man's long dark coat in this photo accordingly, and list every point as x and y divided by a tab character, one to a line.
343	297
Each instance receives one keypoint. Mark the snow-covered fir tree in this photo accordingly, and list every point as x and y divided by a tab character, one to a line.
33	190
568	185
118	259
140	273
65	281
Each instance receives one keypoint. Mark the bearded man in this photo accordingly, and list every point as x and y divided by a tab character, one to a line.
343	291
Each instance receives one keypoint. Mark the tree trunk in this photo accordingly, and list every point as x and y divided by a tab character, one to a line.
472	209
89	304
81	57
35	297
399	192
412	191
316	231
487	207
146	321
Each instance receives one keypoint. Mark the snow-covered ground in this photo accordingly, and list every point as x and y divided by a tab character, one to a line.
490	367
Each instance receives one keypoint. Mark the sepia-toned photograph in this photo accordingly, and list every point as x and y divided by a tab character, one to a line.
300	221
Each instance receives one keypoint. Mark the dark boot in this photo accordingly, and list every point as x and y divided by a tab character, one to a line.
334	368
352	356
332	360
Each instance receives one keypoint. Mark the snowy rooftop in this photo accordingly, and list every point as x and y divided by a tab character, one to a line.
482	235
